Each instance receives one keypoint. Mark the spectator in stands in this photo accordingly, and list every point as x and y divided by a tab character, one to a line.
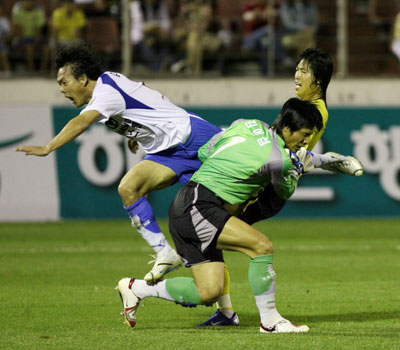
67	23
228	33
28	21
197	32
5	31
300	20
395	43
259	16
202	36
381	15
150	31
93	8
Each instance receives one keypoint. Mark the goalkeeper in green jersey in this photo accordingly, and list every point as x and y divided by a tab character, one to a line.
314	69
237	164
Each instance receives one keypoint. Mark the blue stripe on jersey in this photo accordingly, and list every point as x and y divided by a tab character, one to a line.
130	102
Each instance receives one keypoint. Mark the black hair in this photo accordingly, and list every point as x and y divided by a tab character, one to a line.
81	58
321	64
297	114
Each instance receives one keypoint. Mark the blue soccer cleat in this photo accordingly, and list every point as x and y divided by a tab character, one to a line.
219	319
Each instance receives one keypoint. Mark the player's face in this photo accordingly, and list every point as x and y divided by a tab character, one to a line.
72	88
305	86
294	140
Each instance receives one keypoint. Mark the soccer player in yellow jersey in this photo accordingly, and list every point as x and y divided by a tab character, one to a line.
313	73
314	70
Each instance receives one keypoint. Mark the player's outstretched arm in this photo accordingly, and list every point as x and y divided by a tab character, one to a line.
70	132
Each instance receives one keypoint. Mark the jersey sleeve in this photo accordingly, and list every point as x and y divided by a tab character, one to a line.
282	179
107	101
205	150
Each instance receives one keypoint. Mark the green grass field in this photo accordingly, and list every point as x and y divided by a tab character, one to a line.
340	277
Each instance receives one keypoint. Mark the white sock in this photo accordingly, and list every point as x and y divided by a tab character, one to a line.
224	305
143	290
267	307
156	240
167	250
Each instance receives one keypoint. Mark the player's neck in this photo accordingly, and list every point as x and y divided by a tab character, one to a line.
90	88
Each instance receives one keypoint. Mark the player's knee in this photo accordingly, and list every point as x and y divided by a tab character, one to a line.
129	192
210	294
264	247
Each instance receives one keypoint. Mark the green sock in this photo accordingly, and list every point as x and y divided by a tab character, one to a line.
262	279
261	273
183	290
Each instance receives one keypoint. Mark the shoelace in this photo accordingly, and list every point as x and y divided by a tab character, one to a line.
154	259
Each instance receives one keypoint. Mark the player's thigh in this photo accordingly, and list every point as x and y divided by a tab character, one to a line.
147	176
209	279
239	236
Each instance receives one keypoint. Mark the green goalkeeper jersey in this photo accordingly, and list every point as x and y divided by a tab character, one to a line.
242	160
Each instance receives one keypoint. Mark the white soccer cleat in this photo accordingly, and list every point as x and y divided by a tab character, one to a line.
163	264
284	326
346	165
130	301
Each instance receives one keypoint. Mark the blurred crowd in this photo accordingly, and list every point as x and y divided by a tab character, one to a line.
175	36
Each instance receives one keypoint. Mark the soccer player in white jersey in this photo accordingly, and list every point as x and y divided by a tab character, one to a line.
170	135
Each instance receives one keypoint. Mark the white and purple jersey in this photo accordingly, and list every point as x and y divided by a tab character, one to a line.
132	109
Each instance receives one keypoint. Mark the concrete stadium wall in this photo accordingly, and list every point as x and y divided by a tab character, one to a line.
222	92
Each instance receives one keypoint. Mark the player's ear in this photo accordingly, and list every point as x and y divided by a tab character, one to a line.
84	80
286	129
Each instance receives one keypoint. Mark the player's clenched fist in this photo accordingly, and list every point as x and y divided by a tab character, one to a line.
133	146
41	151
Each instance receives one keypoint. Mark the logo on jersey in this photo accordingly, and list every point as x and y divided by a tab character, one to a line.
122	125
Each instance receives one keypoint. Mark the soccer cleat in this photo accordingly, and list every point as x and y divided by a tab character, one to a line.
163	264
219	319
346	165
130	301
284	326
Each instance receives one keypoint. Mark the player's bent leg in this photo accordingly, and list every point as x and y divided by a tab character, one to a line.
239	236
209	280
132	291
335	162
203	289
224	316
345	164
143	178
262	279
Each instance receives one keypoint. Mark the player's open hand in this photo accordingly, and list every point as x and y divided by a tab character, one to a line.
40	151
133	146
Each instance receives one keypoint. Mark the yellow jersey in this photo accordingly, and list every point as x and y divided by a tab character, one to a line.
321	105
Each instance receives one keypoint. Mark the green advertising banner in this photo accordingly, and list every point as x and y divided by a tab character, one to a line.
90	168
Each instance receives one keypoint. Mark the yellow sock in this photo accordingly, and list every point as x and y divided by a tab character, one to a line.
227	280
224	301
